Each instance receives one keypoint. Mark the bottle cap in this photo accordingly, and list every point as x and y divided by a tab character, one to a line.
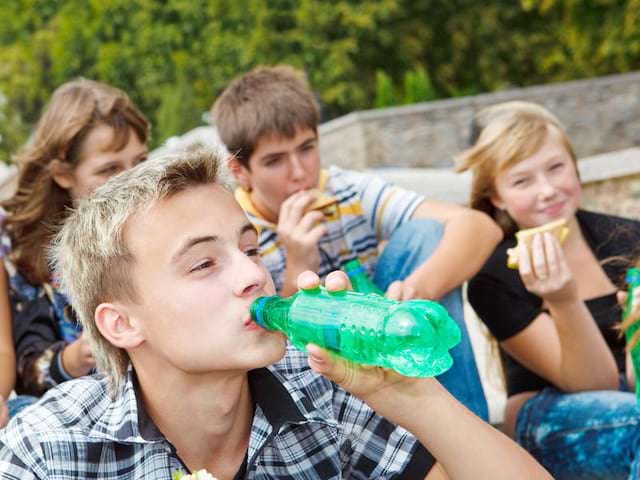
256	310
633	275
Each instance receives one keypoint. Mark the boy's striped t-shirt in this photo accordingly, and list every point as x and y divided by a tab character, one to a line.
367	211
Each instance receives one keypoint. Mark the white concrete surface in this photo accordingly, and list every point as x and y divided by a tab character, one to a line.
489	366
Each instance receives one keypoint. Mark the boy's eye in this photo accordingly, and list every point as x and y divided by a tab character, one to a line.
202	266
272	161
112	170
310	146
252	252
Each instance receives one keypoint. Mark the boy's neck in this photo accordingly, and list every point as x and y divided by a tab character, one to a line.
264	212
207	418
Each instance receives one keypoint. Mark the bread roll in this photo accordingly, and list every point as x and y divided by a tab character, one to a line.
322	200
558	228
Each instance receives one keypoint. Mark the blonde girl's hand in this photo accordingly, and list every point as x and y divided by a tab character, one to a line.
544	270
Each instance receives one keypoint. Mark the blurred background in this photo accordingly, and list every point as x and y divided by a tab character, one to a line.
174	56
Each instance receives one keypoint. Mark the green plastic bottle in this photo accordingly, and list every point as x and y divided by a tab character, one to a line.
412	337
360	281
632	303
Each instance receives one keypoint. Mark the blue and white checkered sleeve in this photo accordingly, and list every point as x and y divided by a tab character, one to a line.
18	455
379	449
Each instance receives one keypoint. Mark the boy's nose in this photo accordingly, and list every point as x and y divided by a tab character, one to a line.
297	170
251	277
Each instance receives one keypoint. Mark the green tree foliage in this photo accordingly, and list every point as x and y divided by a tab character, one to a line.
418	87
386	94
174	56
12	131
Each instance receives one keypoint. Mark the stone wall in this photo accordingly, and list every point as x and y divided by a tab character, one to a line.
601	115
617	196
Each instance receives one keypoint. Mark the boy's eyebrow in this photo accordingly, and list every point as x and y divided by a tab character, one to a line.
248	227
304	143
192	242
271	155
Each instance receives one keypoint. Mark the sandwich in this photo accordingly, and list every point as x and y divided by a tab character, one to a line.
557	228
321	201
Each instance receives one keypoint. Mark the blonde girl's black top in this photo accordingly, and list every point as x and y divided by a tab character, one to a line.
502	302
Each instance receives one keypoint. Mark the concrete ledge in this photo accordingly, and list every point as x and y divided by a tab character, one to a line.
434	183
608	166
446	185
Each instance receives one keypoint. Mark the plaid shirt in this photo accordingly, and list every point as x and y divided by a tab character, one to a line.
304	427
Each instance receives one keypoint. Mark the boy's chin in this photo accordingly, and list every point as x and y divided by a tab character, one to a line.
276	351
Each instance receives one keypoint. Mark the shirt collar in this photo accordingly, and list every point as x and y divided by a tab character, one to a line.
126	419
119	422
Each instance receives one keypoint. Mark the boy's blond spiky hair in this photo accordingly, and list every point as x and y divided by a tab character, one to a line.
91	253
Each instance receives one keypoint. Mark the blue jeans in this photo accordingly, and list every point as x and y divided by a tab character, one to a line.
585	435
409	247
19	403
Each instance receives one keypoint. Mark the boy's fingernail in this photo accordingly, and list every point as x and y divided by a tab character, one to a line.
314	354
315	358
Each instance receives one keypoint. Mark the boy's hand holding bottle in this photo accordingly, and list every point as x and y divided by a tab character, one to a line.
387	392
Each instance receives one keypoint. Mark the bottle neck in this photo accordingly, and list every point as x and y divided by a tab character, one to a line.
271	313
359	278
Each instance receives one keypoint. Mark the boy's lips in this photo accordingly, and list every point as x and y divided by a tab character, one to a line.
250	324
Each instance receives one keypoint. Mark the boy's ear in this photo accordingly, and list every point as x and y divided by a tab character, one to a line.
114	324
61	174
240	173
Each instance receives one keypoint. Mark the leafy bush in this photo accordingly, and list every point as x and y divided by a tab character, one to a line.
174	56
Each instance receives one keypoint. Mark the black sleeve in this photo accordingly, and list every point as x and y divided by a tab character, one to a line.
501	300
38	346
420	465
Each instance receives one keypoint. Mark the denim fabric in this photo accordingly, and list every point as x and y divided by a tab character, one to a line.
19	403
585	435
409	247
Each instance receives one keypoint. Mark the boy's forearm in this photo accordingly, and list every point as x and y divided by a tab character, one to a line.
587	361
466	243
464	445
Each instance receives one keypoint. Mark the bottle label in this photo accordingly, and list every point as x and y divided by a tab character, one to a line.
356	271
332	338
